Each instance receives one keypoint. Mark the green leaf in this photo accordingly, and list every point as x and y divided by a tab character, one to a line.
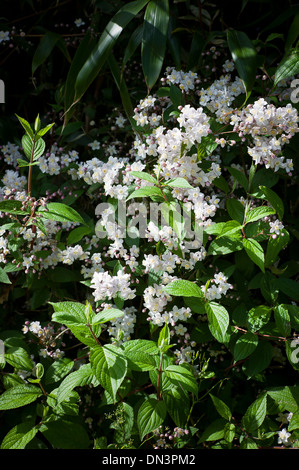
294	422
288	67
78	378
37	147
107	315
274	247
140	354
289	287
122	87
58	370
239	176
133	43
244	56
218	320
178	405
258	317
151	415
18	358
109	365
26	126
255	414
225	245
43	131
274	200
66	433
259	213
74	316
19	436
164	338
178	183
77	234
286	397
214	431
282	320
18	396
245	346
45	47
4	277
61	213
183	288
235	209
146	191
255	252
85	46
144	176
229	432
154	37
221	407
292	33
259	360
99	55
182	377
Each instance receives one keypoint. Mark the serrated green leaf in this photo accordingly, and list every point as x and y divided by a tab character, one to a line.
274	247
184	288
26	126
288	67
282	320
182	377
245	346
255	414
4	277
151	415
225	245
214	431
178	405
274	200
144	176
61	213
18	396
259	213
58	370
258	317
259	360
221	407
178	183
19	436
140	354
255	252
218	320
239	176
79	377
146	191
33	149
235	209
107	315
109	365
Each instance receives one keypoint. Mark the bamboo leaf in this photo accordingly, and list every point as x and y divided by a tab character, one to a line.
244	56
155	30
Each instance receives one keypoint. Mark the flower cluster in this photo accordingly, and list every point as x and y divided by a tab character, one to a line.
270	129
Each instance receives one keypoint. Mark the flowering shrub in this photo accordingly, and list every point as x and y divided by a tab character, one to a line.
149	278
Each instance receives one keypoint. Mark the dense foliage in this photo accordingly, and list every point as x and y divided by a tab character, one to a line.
149	226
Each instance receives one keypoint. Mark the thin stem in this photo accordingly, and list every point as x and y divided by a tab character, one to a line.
159	394
30	169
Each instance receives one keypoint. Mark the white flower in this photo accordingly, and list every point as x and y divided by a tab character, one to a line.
276	227
284	437
4	36
79	22
95	145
